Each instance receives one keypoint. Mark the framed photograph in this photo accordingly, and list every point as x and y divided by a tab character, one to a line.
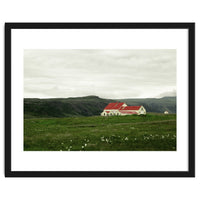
99	100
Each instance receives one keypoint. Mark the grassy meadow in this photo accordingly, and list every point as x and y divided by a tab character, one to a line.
153	132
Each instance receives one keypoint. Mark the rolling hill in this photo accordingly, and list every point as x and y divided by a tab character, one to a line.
89	106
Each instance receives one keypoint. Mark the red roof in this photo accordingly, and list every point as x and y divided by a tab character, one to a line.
113	106
131	108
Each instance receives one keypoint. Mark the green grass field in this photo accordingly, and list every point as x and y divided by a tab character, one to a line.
153	132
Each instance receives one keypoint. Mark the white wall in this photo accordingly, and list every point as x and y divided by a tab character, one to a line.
100	188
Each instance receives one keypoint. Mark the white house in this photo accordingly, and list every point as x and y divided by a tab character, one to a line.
122	109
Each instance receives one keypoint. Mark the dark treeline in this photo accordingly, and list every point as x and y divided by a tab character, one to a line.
89	106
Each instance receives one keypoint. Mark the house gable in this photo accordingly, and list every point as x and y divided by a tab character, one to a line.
120	108
115	106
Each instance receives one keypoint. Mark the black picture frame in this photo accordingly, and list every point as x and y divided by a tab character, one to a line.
191	99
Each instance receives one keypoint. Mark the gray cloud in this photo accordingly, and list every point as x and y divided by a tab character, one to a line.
105	73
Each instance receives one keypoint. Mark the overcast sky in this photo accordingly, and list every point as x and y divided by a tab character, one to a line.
105	73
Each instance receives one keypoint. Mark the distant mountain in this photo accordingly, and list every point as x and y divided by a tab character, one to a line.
89	105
